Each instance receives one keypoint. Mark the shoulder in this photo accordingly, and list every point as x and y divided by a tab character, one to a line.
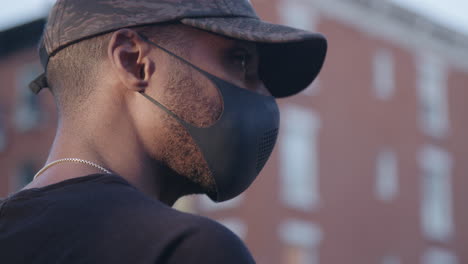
207	241
122	213
188	238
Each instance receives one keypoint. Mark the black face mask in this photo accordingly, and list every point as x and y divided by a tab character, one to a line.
237	146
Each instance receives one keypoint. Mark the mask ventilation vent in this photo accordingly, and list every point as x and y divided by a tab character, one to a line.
265	147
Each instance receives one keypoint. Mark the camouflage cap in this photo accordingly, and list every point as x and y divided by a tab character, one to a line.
290	59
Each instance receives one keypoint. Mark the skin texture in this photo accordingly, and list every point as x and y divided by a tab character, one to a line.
122	131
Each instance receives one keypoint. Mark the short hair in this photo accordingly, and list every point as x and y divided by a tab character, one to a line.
73	72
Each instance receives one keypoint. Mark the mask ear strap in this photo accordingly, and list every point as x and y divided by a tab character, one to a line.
169	112
208	75
175	55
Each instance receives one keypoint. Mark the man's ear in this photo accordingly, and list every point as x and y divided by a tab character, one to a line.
129	57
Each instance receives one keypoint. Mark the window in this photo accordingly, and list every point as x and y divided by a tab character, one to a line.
298	15
384	74
391	260
27	113
432	88
237	226
206	204
439	256
386	187
185	204
436	207
302	240
299	158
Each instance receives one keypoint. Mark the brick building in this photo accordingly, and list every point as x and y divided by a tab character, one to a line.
371	160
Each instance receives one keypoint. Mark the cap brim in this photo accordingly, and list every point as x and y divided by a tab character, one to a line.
290	59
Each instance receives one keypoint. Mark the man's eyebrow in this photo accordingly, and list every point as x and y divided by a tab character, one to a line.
250	47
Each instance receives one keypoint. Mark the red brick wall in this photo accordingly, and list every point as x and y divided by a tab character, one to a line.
458	145
32	145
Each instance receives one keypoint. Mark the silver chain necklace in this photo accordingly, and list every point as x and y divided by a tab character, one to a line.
70	160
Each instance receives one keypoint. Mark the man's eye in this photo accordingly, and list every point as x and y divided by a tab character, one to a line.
242	60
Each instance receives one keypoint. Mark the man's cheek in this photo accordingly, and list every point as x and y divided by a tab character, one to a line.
182	155
200	103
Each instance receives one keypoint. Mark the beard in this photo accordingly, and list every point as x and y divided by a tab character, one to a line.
194	99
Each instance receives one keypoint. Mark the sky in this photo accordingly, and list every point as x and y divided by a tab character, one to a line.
451	13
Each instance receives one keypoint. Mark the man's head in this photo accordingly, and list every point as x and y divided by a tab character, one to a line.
209	69
117	64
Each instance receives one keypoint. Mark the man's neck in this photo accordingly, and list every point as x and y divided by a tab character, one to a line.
116	152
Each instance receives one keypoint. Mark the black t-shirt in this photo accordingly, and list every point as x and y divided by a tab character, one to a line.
103	219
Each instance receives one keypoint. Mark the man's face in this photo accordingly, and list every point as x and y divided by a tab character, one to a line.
193	97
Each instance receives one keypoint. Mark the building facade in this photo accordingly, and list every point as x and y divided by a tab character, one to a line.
371	160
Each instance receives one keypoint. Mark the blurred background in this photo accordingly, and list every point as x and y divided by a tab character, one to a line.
371	164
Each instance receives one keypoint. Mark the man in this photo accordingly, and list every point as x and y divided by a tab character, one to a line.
157	99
